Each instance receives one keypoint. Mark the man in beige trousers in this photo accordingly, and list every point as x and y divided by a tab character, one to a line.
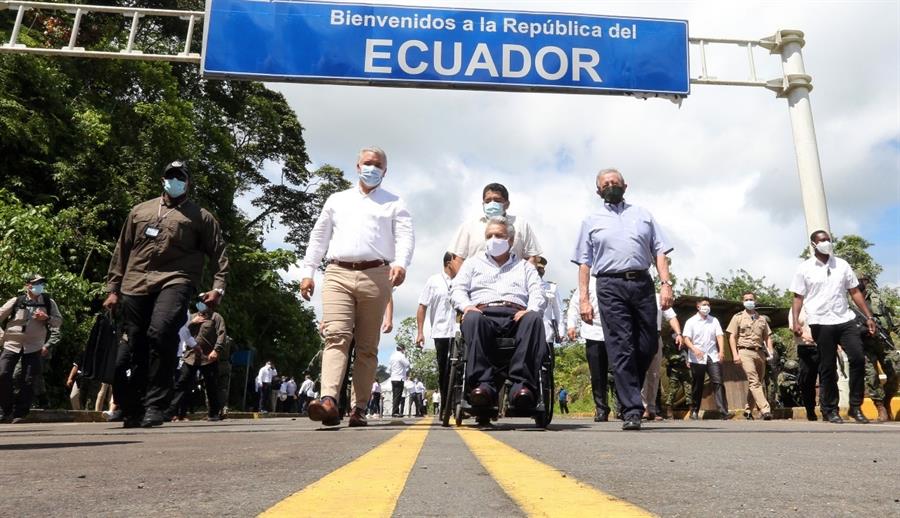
365	234
749	334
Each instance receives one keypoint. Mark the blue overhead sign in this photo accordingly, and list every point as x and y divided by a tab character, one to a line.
287	40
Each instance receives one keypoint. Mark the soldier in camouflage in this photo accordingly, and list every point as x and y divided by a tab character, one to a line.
880	352
788	388
679	375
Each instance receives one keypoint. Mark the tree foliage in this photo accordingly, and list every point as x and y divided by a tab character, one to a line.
422	362
82	141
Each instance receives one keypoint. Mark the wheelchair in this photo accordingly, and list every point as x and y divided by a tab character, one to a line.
458	408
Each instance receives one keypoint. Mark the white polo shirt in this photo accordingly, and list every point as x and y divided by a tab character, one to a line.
436	297
703	333
823	287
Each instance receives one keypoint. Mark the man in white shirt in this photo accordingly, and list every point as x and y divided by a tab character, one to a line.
365	233
435	297
436	401
594	349
651	380
705	340
289	389
303	393
375	400
820	285
554	327
264	379
420	397
398	366
500	295
469	239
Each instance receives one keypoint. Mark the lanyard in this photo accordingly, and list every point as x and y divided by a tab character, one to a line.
159	210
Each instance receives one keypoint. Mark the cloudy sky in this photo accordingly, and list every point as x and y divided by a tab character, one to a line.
719	172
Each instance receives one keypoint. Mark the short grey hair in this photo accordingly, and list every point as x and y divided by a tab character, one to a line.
500	220
372	149
609	170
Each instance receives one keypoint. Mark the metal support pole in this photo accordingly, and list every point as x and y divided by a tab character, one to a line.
13	38
76	26
190	35
796	87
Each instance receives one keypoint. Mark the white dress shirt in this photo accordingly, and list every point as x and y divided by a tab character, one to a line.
436	297
668	314
266	374
481	280
376	387
469	239
354	226
823	287
573	315
420	387
552	310
289	388
306	387
398	365
703	333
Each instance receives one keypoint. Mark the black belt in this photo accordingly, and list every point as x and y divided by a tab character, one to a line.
629	275
359	265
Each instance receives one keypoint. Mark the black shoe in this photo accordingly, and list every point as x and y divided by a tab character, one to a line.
833	417
767	416
695	415
152	417
811	414
601	416
131	422
727	416
214	418
748	415
858	416
632	423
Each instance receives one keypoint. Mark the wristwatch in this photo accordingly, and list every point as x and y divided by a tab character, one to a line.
667	282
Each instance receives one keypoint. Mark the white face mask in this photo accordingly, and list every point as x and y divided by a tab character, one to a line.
496	246
750	304
370	175
825	247
704	310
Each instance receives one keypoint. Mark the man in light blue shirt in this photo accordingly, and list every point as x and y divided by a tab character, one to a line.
617	245
500	295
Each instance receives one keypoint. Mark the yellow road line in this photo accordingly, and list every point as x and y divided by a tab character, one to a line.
539	489
368	486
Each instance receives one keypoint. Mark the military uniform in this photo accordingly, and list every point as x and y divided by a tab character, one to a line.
679	376
751	334
882	354
157	267
210	336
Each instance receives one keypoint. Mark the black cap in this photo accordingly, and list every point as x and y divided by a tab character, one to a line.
176	169
35	279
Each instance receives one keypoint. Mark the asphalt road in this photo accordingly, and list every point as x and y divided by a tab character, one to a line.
245	467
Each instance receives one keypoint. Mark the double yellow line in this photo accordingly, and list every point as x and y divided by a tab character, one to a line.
371	485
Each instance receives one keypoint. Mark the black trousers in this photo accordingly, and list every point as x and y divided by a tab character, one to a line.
827	338
807	374
481	331
149	348
17	405
442	348
187	380
698	376
397	394
563	406
265	397
628	314
598	365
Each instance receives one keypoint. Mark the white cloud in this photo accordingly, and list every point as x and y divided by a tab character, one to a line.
719	173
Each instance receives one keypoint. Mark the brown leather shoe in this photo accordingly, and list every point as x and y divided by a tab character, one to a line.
325	410
523	399
358	418
882	412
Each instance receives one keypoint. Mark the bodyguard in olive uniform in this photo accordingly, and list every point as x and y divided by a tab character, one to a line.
208	329
879	351
679	374
155	271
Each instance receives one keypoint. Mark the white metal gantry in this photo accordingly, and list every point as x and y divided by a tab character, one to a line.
794	85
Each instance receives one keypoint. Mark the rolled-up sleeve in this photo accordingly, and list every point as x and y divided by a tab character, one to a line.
318	241
661	244
584	249
404	236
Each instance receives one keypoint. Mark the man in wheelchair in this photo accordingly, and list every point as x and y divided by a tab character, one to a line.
500	296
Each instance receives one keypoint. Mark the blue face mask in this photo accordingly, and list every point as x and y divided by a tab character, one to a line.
37	289
370	175
493	209
175	187
201	307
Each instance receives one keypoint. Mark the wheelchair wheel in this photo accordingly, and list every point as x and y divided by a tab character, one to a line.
453	406
548	386
448	408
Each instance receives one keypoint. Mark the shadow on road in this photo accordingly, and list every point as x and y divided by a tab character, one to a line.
51	445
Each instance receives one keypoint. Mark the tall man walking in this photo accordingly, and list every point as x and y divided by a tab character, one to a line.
820	285
155	271
749	335
705	340
617	244
366	235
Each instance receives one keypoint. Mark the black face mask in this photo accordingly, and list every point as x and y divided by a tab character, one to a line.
612	194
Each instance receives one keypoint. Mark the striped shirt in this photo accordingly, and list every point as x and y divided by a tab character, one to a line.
481	280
